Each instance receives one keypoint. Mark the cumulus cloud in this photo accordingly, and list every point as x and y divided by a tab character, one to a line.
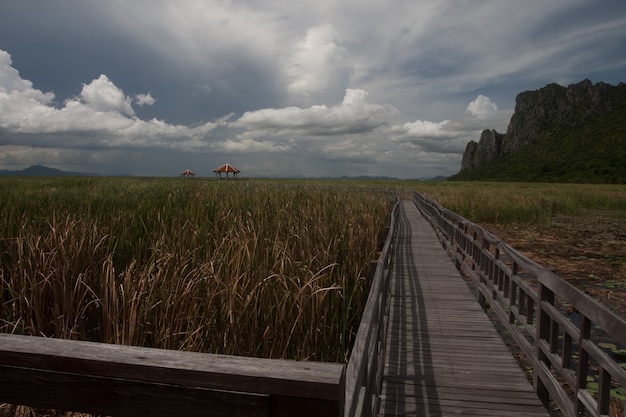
13	87
104	96
145	99
101	115
353	115
482	107
426	129
319	64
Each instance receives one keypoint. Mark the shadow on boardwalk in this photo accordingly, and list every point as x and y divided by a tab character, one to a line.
444	357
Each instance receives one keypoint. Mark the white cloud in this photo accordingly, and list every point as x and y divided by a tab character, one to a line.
319	64
101	115
250	145
145	99
451	136
354	115
426	129
12	86
482	107
104	96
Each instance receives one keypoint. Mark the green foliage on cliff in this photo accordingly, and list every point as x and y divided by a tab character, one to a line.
592	153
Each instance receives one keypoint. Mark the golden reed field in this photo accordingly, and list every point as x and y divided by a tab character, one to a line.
277	270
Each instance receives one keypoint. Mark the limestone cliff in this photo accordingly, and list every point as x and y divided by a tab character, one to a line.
488	148
551	107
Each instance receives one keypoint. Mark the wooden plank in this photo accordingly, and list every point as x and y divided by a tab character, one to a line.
441	381
459	389
450	407
459	399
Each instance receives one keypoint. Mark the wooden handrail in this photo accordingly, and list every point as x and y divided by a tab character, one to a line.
128	381
528	299
365	368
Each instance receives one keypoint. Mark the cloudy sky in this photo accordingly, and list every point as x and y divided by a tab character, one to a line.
283	88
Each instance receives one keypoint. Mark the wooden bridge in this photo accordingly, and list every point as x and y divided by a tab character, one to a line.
425	346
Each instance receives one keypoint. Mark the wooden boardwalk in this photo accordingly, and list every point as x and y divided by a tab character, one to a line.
444	357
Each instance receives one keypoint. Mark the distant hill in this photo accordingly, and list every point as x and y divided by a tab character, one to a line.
556	134
42	171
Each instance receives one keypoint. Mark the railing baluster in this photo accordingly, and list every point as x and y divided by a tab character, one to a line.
604	391
544	324
513	295
530	309
583	362
567	351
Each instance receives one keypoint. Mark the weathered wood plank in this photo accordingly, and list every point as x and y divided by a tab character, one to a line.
479	401
456	382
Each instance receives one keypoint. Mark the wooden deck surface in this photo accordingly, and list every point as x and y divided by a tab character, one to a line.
444	357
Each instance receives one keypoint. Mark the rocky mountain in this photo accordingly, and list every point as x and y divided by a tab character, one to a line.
558	115
486	150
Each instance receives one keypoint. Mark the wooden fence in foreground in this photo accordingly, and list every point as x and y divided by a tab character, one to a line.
532	303
128	381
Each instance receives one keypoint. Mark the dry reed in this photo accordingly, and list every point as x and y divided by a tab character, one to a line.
240	268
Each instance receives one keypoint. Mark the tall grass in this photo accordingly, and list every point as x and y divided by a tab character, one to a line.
487	202
246	268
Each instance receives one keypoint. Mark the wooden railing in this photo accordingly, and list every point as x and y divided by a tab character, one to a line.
129	381
365	368
554	324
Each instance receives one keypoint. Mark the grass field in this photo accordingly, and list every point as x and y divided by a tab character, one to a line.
524	203
249	268
269	268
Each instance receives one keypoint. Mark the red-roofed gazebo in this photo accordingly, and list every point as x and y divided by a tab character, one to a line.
227	168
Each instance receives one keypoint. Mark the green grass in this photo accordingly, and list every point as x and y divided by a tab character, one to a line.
501	202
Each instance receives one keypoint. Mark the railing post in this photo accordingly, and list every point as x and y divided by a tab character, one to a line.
458	231
483	268
583	362
604	391
373	264
544	323
513	300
